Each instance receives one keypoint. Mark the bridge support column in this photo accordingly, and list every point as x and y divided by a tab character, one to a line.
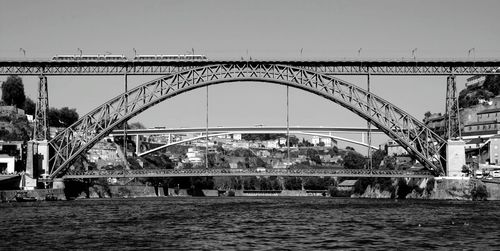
137	144
58	184
452	116
43	151
41	128
455	158
31	166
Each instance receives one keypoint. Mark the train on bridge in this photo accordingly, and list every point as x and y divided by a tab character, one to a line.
111	57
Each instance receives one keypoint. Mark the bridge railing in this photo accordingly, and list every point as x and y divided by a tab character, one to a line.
246	172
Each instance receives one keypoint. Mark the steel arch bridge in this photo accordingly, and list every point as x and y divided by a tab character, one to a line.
408	131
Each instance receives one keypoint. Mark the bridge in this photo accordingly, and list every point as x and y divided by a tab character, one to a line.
152	173
409	66
314	77
325	132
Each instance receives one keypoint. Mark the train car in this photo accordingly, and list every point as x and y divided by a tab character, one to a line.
97	57
187	57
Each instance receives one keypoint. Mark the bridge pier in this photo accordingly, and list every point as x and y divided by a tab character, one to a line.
37	162
58	184
455	158
137	144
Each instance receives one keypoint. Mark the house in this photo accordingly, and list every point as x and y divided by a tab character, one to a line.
346	188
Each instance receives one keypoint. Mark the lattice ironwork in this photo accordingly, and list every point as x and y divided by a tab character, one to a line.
412	134
244	172
41	128
452	112
349	67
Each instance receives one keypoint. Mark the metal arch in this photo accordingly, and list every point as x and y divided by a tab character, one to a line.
397	124
228	133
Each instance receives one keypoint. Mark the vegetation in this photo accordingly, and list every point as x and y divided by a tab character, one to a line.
471	95
262	137
354	160
63	117
13	92
479	192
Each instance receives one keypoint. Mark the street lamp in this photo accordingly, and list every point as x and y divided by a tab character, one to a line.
413	54
359	52
81	52
135	52
23	50
473	50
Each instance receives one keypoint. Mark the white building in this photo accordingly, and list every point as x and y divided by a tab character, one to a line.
237	136
326	140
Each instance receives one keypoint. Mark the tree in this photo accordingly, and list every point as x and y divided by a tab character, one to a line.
53	117
294	141
68	116
13	91
29	106
377	158
354	160
63	117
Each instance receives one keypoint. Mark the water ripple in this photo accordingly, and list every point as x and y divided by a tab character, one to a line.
249	224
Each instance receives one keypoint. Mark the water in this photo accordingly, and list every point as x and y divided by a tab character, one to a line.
228	223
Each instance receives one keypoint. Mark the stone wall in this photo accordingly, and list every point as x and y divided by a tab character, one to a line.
39	194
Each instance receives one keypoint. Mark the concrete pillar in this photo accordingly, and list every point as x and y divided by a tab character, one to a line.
58	183
30	155
137	144
31	166
43	150
455	158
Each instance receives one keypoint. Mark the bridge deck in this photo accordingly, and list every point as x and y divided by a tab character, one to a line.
155	67
246	172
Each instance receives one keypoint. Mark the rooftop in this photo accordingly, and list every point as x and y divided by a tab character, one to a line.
492	110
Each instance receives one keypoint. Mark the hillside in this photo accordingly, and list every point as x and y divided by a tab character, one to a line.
473	93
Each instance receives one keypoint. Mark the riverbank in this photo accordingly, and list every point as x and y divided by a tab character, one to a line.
435	189
39	194
427	189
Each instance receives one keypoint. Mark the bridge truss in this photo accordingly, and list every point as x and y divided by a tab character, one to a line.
245	172
412	134
335	67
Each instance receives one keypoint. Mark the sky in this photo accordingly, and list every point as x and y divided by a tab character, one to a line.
262	29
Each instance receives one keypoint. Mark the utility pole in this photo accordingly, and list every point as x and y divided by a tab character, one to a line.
287	127
369	138
206	132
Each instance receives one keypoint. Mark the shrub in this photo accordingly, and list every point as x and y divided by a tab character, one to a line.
479	192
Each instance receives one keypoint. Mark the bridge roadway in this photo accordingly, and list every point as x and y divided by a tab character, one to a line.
411	66
245	172
243	129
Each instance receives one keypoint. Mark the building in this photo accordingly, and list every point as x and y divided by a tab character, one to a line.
475	81
494	150
237	136
104	153
393	148
327	141
11	111
194	156
10	154
436	122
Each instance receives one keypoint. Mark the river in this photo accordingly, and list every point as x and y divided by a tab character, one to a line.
249	223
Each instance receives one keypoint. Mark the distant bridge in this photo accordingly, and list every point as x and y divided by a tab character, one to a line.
244	129
220	131
291	172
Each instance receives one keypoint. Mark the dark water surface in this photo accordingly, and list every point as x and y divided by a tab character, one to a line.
243	223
